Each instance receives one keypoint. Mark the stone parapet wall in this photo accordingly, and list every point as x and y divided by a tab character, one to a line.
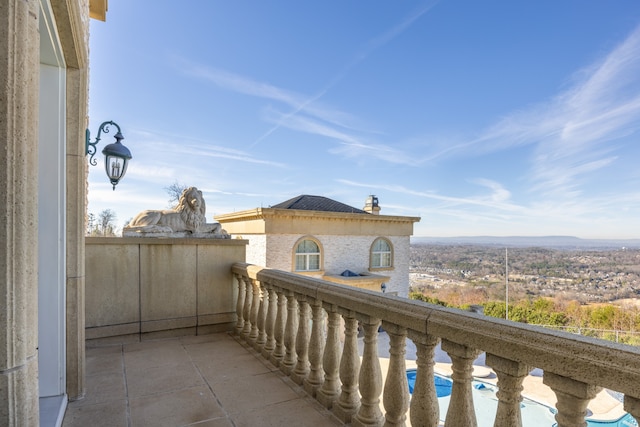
144	288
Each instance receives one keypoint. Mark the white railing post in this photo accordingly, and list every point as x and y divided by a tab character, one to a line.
370	379
290	331
240	305
262	313
278	332
270	320
316	348
573	398
349	401
248	297
510	374
396	387
255	306
461	411
301	369
425	410
330	390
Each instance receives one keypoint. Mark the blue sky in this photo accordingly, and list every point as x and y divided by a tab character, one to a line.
484	118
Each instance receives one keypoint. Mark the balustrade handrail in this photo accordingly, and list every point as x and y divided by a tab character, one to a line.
590	360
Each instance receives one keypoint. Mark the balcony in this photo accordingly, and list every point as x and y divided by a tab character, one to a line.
293	359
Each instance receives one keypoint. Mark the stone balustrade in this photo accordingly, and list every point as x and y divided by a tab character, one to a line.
295	322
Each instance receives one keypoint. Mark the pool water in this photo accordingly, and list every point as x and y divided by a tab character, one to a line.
485	403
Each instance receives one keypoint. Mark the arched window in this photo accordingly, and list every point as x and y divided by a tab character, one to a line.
307	256
381	254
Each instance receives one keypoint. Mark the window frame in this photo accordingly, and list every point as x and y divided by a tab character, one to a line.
377	254
307	255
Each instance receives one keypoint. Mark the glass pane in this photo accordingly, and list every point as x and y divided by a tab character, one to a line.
381	245
385	260
307	246
375	260
300	264
314	262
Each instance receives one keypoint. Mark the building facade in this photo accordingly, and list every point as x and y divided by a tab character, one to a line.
320	237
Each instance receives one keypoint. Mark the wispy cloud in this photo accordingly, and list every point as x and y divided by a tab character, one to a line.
496	199
306	113
572	133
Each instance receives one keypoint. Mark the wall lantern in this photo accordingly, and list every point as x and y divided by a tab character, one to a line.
383	287
116	155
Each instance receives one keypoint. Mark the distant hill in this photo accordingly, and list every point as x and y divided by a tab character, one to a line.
551	242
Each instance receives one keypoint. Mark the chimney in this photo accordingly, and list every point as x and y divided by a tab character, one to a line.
371	205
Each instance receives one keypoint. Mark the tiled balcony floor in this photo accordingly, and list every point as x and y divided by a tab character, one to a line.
204	381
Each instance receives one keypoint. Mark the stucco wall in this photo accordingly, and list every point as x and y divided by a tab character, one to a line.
257	249
343	253
148	288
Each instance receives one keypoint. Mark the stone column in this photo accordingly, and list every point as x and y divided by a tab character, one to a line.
573	398
270	321
278	331
370	379
349	402
316	348
301	370
240	304
424	402
19	86
246	309
330	390
253	316
262	315
396	387
510	374
461	411
290	332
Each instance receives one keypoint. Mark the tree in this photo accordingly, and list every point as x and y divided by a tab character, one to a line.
175	191
104	224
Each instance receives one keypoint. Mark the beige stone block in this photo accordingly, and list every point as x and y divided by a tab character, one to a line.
167	281
112	330
109	341
169	333
214	319
215	294
112	284
167	324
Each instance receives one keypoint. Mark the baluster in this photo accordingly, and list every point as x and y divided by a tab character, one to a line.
330	389
632	406
425	410
349	402
301	369
240	305
396	387
255	305
461	411
262	313
290	332
510	374
270	321
573	398
278	352
316	347
248	297
370	379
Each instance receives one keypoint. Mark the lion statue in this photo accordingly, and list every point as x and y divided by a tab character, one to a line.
188	216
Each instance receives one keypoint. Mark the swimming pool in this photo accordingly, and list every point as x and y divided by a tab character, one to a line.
485	403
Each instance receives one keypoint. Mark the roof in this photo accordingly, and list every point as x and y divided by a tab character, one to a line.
317	203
